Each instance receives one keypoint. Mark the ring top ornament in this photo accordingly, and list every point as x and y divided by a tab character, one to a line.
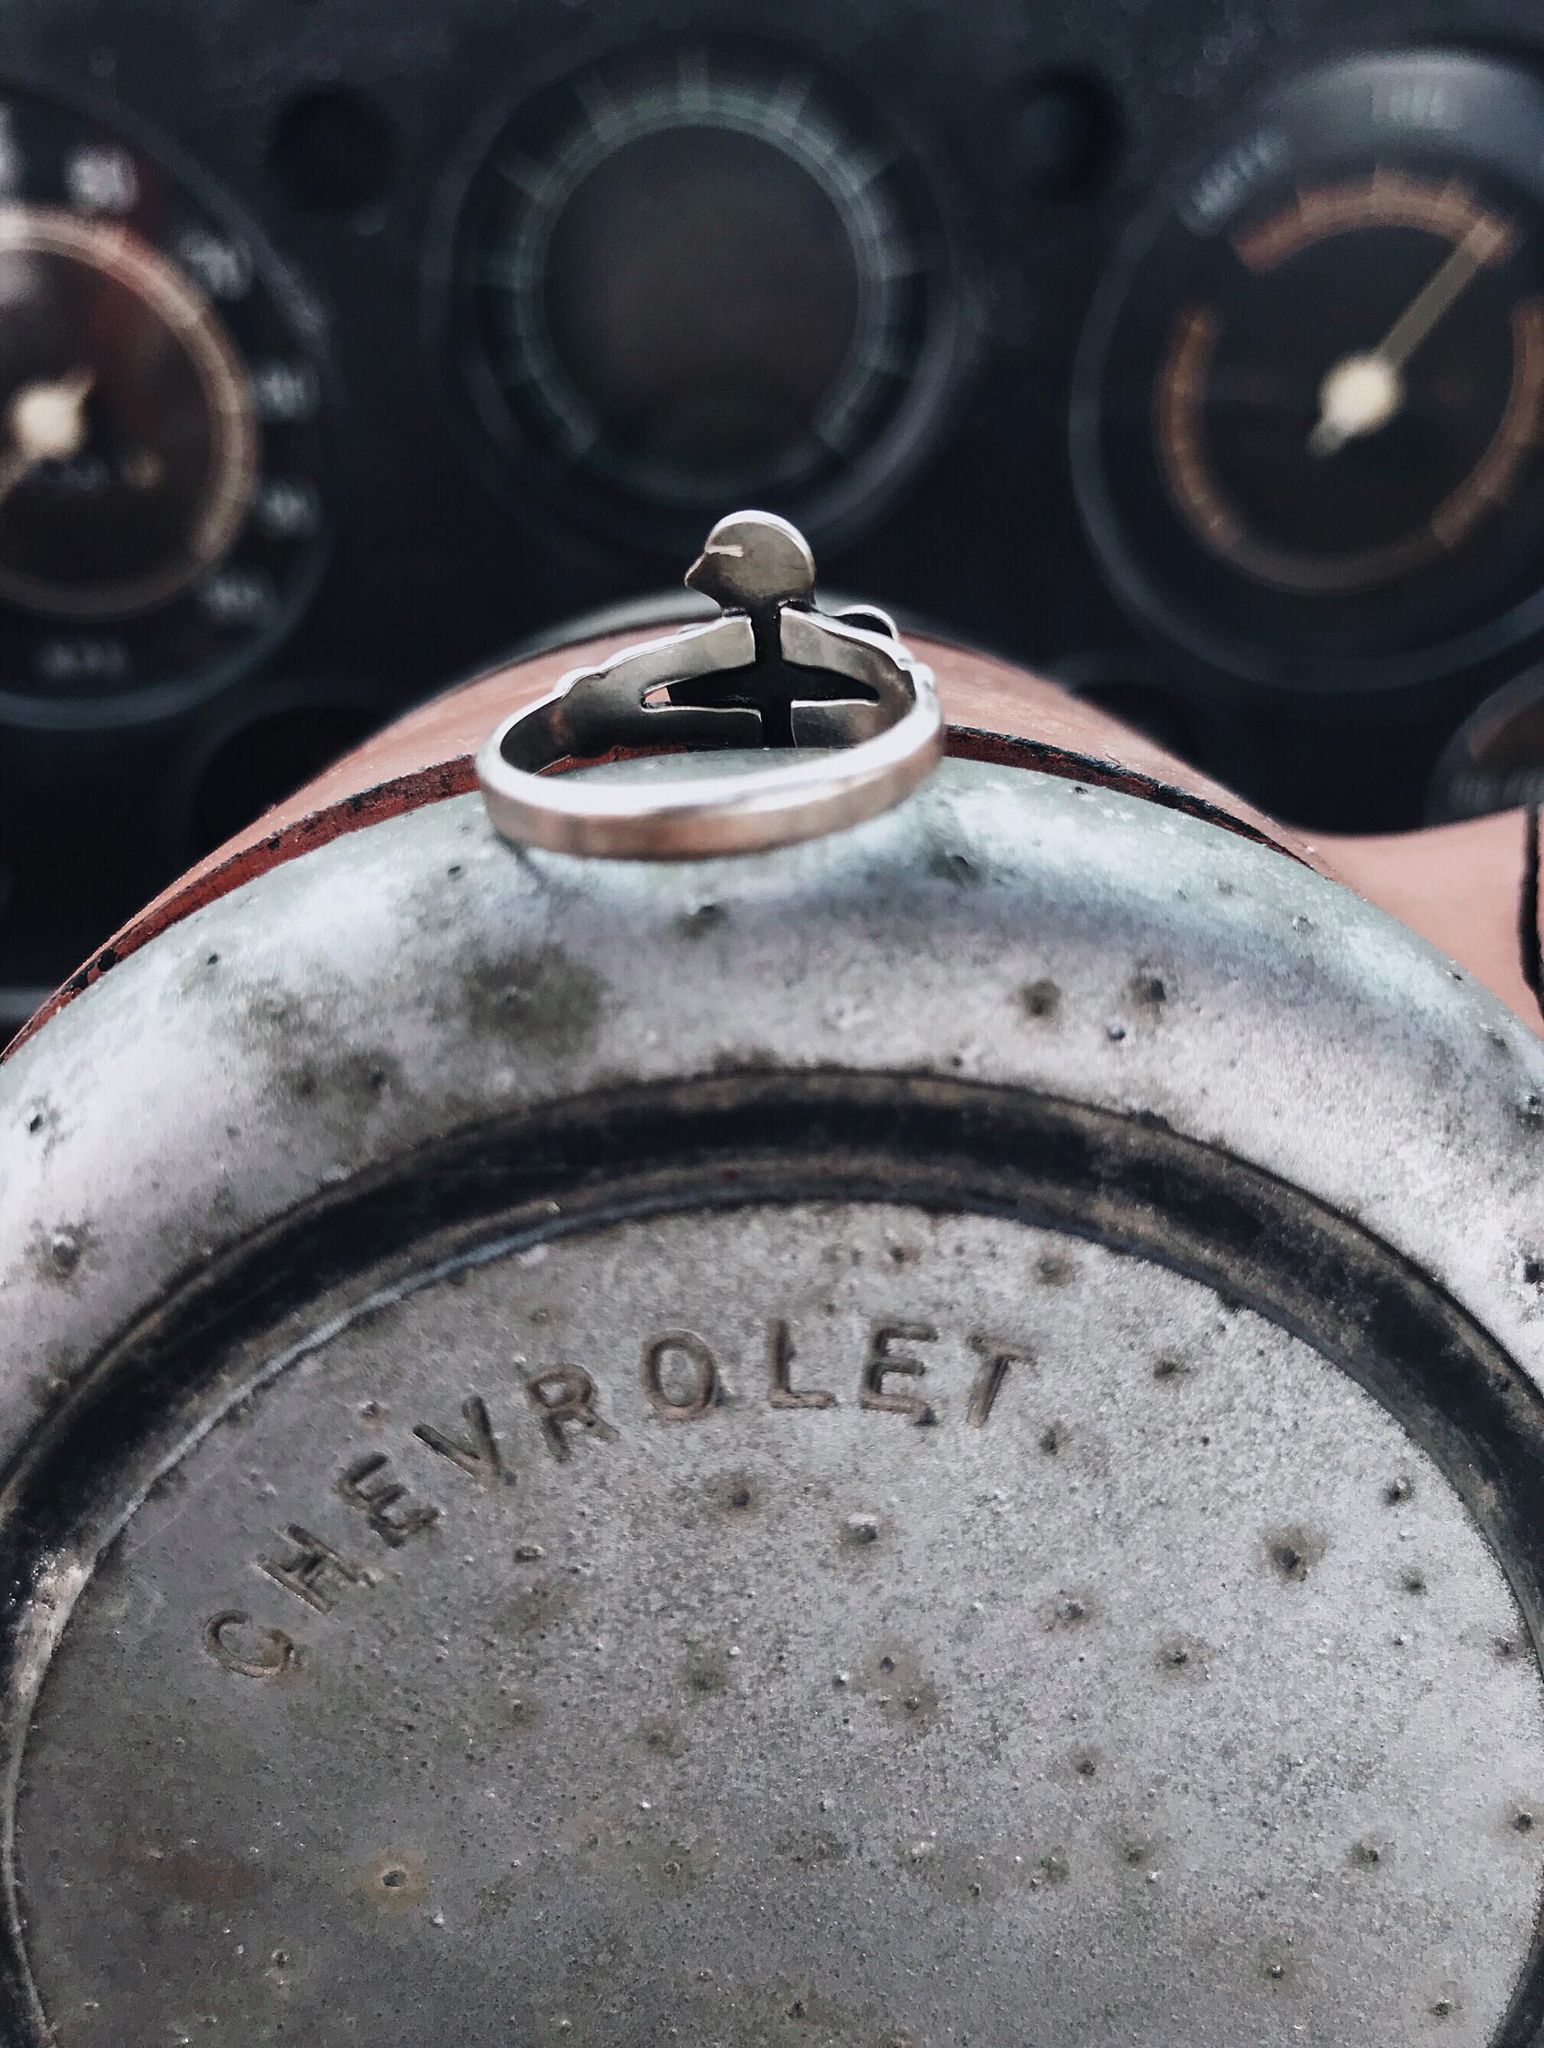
773	673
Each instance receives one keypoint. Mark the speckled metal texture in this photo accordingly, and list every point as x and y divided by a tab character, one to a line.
933	1437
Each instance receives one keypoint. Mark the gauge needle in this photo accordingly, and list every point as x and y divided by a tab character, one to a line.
45	422
1361	393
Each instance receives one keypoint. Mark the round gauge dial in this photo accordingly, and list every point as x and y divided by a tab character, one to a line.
690	280
1495	760
1309	410
160	510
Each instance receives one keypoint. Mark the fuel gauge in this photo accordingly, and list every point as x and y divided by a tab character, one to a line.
1310	405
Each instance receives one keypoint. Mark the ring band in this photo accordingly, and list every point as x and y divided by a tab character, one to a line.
771	672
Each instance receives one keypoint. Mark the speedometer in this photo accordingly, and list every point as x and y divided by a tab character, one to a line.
160	505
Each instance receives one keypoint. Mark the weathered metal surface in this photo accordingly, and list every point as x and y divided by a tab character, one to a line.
1155	1684
1209	1586
996	713
1469	888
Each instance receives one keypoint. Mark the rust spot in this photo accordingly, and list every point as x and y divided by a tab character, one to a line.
1293	1552
707	1674
954	867
736	1493
540	995
396	1880
672	1866
536	1610
1149	991
1071	1610
1183	1657
664	1738
904	1694
812	1845
702	919
57	1251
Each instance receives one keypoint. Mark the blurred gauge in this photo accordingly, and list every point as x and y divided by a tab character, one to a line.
690	280
1495	760
160	515
1309	404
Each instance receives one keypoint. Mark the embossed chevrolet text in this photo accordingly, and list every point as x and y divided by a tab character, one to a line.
681	1379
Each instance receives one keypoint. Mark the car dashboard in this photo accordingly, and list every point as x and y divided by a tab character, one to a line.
1189	354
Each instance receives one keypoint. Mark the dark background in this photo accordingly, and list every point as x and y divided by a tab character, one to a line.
349	131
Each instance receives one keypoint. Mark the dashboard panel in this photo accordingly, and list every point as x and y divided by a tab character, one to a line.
1191	353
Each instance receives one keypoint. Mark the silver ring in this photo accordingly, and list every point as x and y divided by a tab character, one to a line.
773	671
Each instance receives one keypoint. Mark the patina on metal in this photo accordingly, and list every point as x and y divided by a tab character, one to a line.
772	672
934	1434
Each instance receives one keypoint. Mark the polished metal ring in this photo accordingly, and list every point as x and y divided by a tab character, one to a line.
772	672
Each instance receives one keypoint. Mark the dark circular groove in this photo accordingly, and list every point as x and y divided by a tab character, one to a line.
1130	1183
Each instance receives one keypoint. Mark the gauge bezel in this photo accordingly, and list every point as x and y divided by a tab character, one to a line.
1497	710
586	511
1317	106
156	701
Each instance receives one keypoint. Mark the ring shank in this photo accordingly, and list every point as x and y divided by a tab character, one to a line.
854	694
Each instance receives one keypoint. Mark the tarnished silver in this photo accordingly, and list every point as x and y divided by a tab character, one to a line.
772	671
936	1435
